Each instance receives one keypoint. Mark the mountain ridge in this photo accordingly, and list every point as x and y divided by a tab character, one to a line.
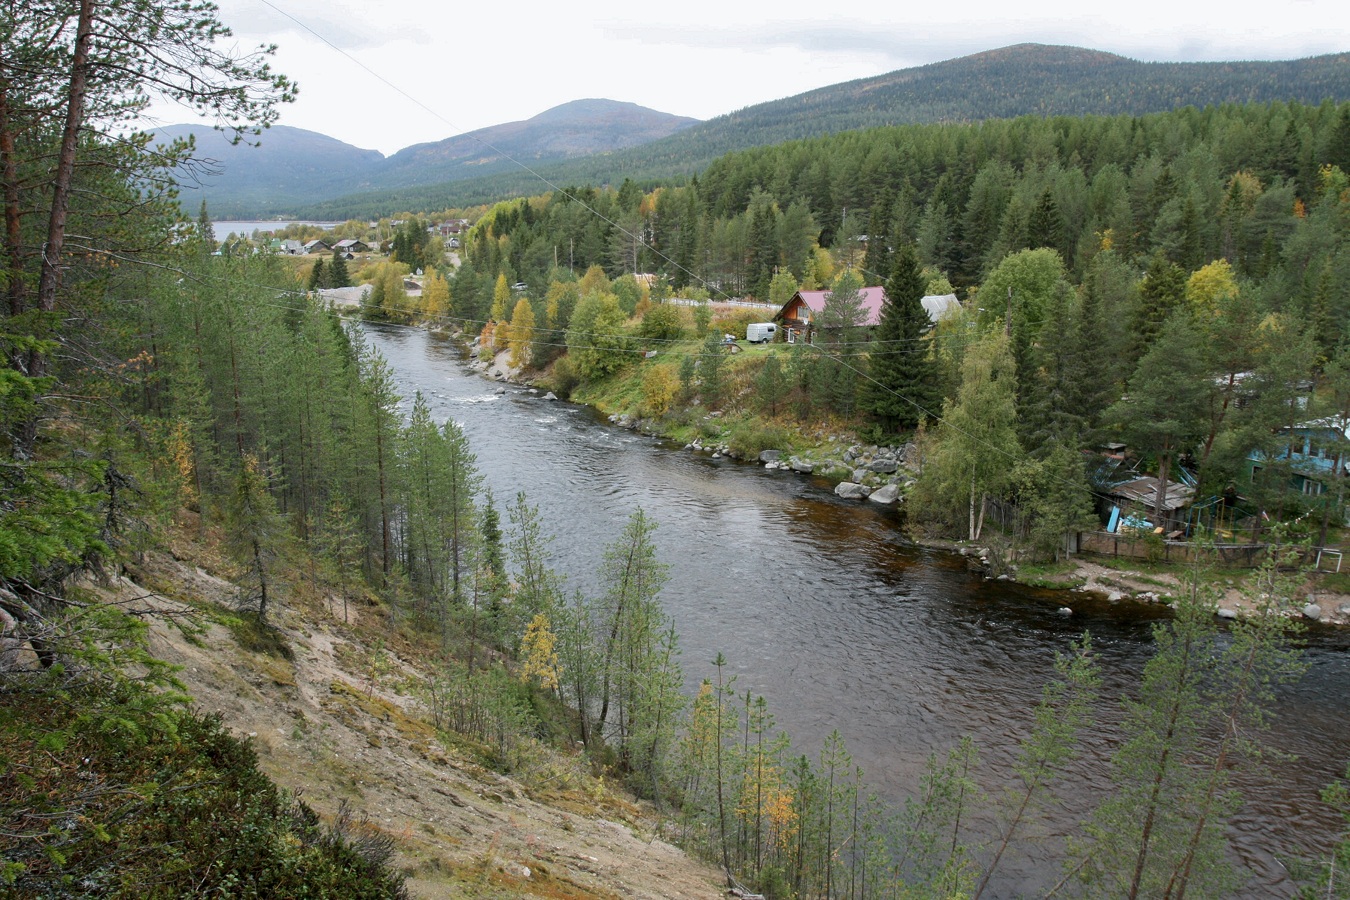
289	165
626	140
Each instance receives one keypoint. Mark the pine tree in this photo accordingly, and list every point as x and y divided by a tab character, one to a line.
840	335
1045	227
1205	700
1160	293
901	389
711	365
1164	411
1064	712
255	533
632	625
771	385
337	271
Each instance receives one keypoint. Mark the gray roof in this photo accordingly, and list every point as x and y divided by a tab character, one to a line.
1144	491
939	306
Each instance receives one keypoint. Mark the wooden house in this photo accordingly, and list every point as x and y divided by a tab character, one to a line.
352	245
799	316
1314	453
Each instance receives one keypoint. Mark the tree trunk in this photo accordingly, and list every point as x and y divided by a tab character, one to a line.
1160	505
9	174
50	278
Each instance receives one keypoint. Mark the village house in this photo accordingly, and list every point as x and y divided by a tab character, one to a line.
800	315
1313	451
351	245
318	245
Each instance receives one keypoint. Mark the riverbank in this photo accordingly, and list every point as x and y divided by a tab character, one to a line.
884	474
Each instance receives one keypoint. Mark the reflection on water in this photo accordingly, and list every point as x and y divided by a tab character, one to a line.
820	607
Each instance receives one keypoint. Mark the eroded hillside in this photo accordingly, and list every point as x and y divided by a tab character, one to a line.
335	722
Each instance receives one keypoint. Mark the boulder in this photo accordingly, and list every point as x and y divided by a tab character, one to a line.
1225	613
1312	611
806	467
909	456
884	466
850	490
550	396
889	493
768	456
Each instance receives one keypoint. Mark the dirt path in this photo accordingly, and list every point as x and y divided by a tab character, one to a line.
1117	584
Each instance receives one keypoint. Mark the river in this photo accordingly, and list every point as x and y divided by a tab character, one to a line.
822	608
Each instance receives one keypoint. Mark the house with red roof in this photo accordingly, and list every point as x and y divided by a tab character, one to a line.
798	314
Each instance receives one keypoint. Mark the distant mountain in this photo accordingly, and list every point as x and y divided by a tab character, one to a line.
292	168
579	128
289	168
1026	79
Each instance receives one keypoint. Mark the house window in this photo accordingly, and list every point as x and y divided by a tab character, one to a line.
1313	488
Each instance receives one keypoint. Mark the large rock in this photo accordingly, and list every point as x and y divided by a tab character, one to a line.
909	455
884	466
851	491
888	493
806	467
1312	611
768	456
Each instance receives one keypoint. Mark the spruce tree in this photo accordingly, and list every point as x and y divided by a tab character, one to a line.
1045	227
317	276
901	389
337	271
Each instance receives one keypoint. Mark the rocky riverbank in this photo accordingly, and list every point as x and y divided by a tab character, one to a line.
885	474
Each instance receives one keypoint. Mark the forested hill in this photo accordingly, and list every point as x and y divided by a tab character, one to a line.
1029	79
1026	79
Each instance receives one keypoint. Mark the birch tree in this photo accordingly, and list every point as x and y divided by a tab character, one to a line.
977	446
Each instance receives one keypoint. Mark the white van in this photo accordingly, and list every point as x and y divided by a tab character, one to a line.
760	332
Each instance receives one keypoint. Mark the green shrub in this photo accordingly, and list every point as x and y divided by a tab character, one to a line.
734	321
662	322
748	438
108	791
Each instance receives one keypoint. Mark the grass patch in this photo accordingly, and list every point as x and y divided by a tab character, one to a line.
1063	574
1333	582
256	637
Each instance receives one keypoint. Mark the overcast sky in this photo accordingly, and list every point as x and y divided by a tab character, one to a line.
386	75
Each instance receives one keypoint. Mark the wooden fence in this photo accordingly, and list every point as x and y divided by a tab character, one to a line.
1245	556
1238	556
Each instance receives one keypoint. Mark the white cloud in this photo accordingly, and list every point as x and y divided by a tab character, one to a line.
389	75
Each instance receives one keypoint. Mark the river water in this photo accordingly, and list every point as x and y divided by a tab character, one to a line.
822	608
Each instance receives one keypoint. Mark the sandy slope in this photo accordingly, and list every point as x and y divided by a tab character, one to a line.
321	727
